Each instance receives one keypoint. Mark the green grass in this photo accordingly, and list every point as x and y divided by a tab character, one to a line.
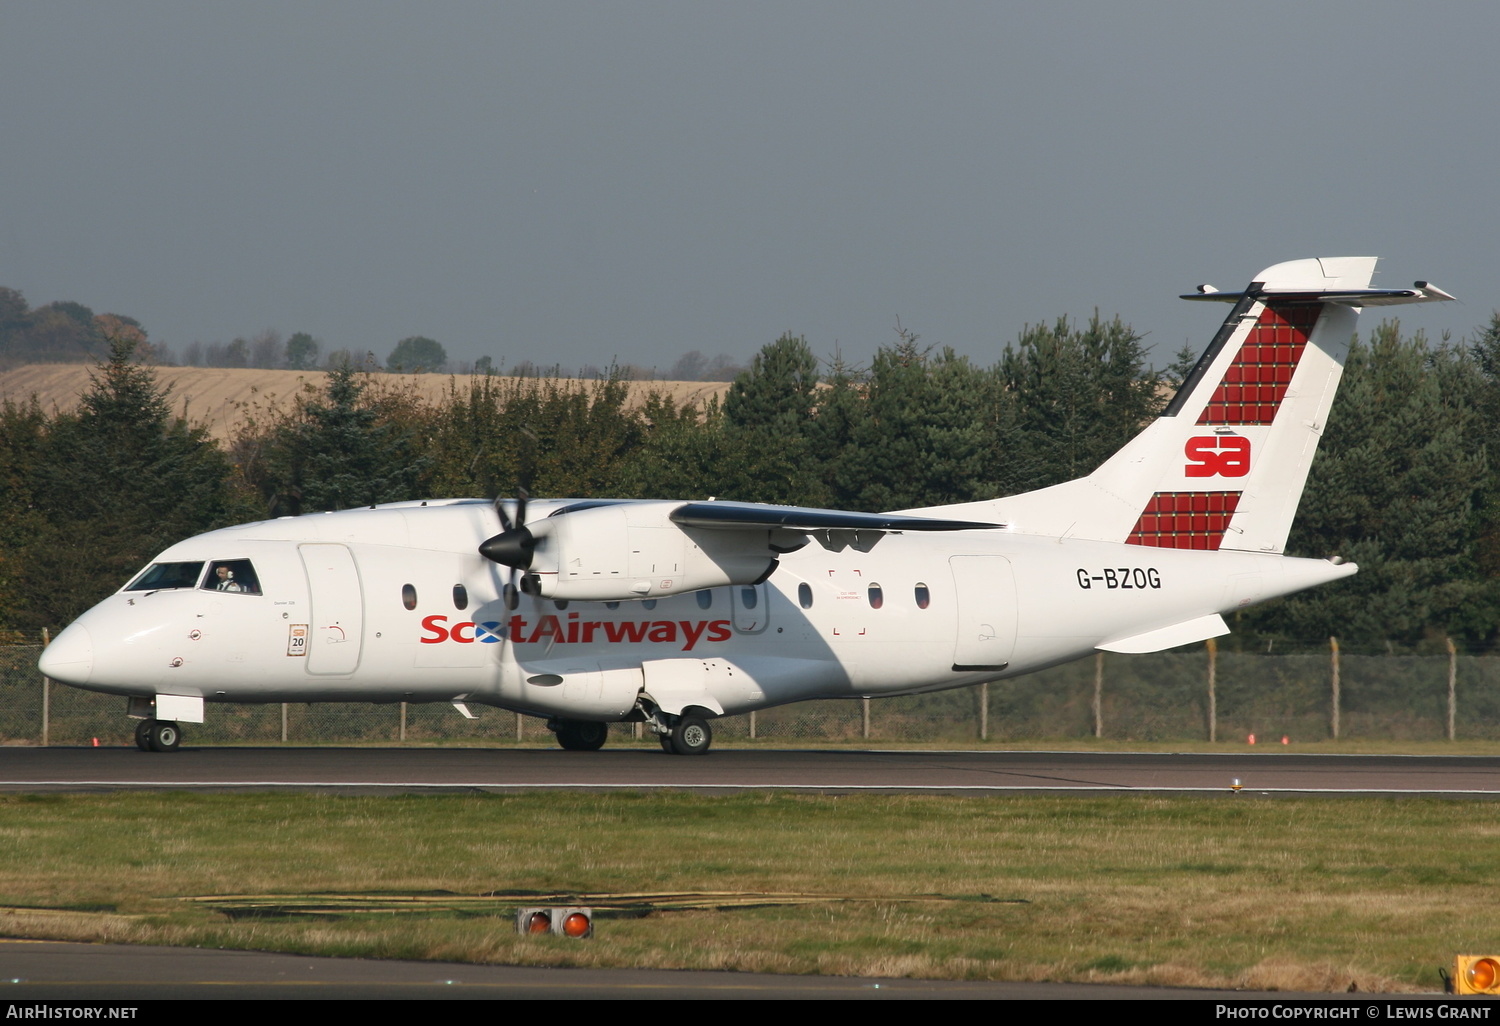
1291	893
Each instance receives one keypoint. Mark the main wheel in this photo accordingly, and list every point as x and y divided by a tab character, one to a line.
582	735
691	736
164	736
143	735
666	743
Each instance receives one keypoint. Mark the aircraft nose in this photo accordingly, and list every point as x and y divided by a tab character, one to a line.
70	657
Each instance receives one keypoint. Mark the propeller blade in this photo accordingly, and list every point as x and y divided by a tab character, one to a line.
504	517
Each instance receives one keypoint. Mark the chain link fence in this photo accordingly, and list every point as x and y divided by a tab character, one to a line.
1159	697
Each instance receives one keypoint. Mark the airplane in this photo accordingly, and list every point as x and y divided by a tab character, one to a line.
672	613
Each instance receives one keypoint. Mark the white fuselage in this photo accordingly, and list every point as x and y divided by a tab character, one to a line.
395	604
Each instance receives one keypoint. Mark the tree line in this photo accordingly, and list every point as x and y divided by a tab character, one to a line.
69	332
1402	483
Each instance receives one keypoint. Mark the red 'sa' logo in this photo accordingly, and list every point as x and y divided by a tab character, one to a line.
1218	456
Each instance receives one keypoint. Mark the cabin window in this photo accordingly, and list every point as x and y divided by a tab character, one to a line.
409	596
924	597
877	597
235	576
649	604
804	595
749	597
561	604
611	605
460	597
705	599
162	576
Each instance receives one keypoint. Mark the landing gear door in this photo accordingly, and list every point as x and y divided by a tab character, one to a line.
985	588
338	607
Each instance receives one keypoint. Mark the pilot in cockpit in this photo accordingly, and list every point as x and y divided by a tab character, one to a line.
232	575
225	580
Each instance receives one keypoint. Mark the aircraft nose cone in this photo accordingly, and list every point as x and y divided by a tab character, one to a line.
70	657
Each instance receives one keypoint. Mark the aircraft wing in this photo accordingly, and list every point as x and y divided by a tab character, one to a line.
737	516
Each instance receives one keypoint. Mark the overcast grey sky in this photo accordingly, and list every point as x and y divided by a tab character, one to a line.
580	181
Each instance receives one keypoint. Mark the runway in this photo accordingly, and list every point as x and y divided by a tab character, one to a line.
91	973
416	770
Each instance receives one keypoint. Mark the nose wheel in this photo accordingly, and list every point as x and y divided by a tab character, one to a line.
158	736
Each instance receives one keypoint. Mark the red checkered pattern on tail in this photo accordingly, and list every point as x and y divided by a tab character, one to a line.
1256	381
1185	520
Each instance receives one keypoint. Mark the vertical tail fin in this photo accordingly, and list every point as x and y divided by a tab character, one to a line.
1225	464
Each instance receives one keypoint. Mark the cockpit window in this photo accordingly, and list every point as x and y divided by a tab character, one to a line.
161	576
232	575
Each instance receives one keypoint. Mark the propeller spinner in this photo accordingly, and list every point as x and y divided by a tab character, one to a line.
513	546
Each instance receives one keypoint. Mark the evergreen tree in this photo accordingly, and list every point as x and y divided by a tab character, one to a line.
109	487
1395	488
765	427
777	393
553	436
1080	395
338	453
919	437
686	456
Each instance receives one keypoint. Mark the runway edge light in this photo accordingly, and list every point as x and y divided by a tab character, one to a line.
1476	974
575	922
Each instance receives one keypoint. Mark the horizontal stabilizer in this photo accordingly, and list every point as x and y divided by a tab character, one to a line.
1420	292
1198	629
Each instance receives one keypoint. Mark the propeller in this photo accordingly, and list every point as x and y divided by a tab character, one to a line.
513	546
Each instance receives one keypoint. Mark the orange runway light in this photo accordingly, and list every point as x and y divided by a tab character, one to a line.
564	922
1476	974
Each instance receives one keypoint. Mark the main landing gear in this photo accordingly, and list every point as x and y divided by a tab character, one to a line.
581	735
687	734
691	735
158	736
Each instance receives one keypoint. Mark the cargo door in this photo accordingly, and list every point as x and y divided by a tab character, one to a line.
986	593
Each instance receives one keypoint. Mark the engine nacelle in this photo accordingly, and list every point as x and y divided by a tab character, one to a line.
633	550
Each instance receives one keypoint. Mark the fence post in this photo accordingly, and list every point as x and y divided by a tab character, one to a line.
1213	698
403	721
1333	646
752	724
46	698
1098	694
283	722
1452	686
984	711
864	716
